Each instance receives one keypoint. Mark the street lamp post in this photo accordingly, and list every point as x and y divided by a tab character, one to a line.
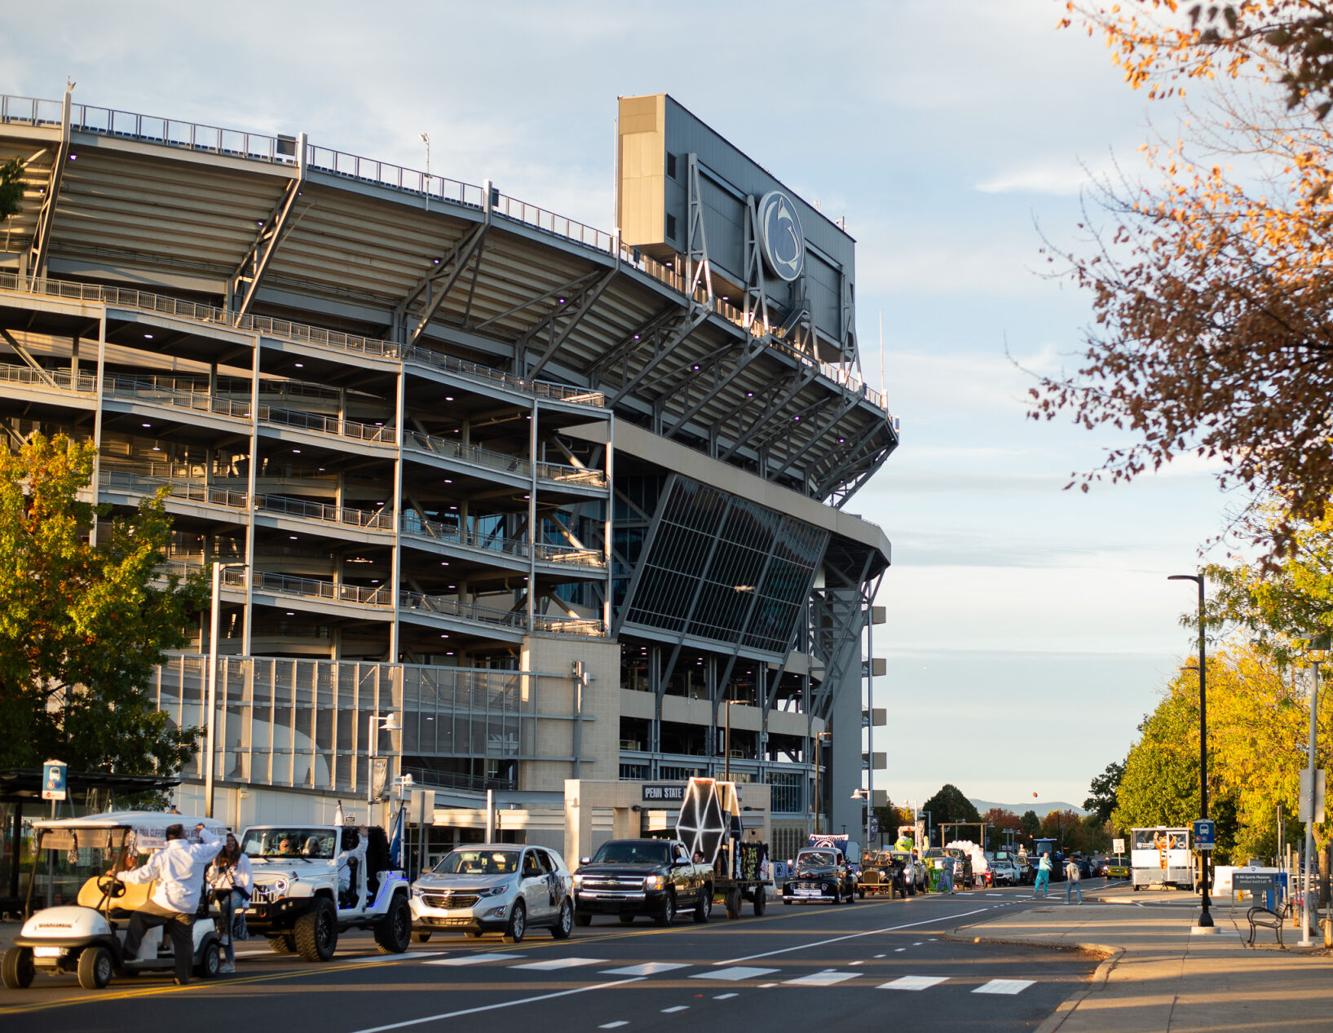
1205	918
389	723
1310	782
210	724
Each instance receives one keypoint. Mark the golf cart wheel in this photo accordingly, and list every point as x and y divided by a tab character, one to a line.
564	922
760	900
95	968
317	931
393	932
210	960
518	923
422	937
17	968
284	944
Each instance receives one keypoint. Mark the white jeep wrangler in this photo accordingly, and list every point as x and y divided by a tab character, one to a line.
314	881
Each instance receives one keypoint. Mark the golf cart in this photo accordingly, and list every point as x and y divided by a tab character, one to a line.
87	937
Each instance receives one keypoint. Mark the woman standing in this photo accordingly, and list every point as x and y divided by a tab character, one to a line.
230	882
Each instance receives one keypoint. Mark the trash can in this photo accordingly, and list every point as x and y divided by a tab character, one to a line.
933	879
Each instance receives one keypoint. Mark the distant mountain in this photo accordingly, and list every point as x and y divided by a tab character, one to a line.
1042	809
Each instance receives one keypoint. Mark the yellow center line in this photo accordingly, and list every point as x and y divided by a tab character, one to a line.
313	969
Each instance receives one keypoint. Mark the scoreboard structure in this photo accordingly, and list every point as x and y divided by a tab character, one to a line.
687	196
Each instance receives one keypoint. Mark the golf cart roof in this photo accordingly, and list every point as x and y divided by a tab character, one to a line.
109	829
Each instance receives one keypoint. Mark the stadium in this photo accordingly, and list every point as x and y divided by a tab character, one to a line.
503	499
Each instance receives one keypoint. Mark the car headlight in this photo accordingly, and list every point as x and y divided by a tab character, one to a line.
578	881
416	891
495	891
654	882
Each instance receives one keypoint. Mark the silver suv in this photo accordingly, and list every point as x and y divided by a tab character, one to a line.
499	887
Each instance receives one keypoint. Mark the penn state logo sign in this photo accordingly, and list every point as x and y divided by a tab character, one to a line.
780	235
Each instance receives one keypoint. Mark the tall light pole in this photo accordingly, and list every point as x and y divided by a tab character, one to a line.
210	724
1205	918
1321	643
389	723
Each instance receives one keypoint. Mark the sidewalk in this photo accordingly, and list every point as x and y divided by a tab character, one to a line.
1158	977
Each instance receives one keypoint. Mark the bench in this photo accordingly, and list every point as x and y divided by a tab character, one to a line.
1262	917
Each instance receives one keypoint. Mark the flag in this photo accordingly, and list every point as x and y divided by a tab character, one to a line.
396	843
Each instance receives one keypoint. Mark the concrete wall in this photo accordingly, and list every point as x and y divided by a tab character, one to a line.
596	738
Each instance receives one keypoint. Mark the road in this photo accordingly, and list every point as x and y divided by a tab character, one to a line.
885	958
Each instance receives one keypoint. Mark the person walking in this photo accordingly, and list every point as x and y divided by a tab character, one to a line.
230	882
1043	887
178	870
1072	876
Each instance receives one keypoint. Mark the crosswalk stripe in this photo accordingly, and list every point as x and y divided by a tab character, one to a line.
648	968
828	978
476	959
558	963
913	983
679	1007
1004	986
614	1025
735	973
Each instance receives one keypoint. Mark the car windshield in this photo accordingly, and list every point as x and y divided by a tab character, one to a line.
632	852
290	843
819	858
478	862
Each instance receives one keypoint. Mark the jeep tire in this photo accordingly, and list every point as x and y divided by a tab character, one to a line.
393	932
316	931
283	943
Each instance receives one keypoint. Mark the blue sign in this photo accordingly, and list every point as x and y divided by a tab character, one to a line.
1205	834
54	780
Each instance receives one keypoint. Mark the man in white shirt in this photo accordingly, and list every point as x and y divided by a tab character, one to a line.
178	869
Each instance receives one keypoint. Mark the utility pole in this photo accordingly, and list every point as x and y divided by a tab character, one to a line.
1205	918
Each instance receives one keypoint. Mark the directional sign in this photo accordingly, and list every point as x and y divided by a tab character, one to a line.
1205	834
54	780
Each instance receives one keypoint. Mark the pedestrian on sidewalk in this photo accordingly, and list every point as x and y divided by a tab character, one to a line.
230	883
177	871
1043	887
1072	876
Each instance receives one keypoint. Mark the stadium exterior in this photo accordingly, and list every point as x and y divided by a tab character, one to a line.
570	505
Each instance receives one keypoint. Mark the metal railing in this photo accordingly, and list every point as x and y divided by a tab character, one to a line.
378	434
345	516
128	483
281	150
52	379
448	606
488	376
310	588
448	534
477	455
195	399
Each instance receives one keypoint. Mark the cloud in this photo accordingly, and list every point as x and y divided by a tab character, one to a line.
1060	179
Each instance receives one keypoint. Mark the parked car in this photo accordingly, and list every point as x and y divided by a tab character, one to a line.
1003	872
821	873
499	887
632	877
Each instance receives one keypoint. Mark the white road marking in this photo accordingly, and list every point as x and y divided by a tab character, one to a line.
881	956
676	1008
827	978
853	936
767	986
648	968
559	963
724	997
614	1025
913	983
476	959
410	956
1004	986
494	1007
897	950
918	943
853	964
734	975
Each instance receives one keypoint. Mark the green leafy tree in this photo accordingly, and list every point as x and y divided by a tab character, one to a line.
1101	801
83	624
1031	825
949	804
11	187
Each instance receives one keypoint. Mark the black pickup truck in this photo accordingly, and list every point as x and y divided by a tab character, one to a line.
632	877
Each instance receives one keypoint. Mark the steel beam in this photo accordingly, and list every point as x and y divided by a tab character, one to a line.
26	356
437	283
249	273
633	341
794	459
584	304
41	234
667	343
802	377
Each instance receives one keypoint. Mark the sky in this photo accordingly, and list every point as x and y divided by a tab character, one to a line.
1029	628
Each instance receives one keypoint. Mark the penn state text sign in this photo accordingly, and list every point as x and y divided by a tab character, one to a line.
663	793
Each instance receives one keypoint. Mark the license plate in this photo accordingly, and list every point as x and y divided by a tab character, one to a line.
47	952
807	893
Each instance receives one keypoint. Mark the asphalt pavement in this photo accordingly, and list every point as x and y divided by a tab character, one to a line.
807	967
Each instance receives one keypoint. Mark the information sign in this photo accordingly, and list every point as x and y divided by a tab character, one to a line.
1205	834
54	780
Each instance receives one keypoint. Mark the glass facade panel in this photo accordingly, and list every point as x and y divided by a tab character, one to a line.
723	568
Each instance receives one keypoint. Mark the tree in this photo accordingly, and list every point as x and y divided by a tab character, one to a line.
1210	289
1101	802
1031	825
82	625
999	819
11	187
949	804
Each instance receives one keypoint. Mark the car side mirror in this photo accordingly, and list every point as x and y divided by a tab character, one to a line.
585	860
